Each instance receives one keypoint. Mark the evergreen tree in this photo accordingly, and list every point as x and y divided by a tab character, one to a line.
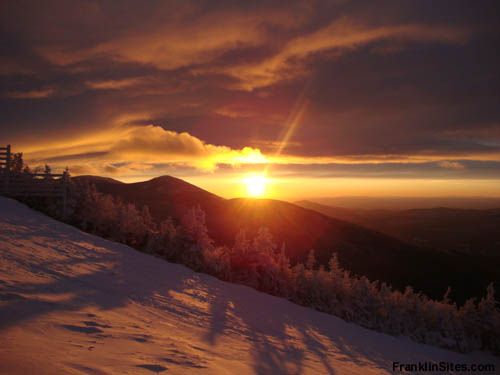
311	260
195	225
16	163
241	243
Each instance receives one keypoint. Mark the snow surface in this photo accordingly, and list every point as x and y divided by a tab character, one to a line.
73	303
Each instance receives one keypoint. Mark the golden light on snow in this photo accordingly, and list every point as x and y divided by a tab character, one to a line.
256	185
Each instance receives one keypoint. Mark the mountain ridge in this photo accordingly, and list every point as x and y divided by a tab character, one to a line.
364	251
463	230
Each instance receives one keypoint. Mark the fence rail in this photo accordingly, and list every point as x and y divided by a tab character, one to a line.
21	184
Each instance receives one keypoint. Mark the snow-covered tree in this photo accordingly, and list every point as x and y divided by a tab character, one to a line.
489	319
311	260
195	225
263	244
17	163
241	243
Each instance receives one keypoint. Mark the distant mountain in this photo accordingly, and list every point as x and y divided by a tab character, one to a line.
407	203
449	229
166	196
97	179
364	251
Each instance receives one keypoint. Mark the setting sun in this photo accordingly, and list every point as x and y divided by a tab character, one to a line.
256	185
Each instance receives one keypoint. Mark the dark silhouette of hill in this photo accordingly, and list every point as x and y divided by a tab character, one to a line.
469	231
165	196
98	179
361	250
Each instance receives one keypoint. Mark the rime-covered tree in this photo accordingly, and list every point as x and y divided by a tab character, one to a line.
311	260
263	244
195	225
241	243
489	319
16	163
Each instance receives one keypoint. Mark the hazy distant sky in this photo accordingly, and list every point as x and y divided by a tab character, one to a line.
332	97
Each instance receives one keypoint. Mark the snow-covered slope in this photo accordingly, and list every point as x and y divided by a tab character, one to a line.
73	303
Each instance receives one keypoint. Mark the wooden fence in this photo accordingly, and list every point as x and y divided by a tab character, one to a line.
20	184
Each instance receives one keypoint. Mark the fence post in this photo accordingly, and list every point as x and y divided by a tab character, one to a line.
65	178
7	171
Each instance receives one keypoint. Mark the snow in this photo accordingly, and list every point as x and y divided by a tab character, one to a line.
73	303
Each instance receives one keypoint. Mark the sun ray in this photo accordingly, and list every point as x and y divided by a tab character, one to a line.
293	121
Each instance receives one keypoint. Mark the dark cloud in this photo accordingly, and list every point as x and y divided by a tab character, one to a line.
442	169
72	157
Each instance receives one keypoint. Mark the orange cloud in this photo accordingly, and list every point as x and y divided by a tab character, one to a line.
169	42
137	146
340	34
154	144
33	94
113	84
345	33
451	164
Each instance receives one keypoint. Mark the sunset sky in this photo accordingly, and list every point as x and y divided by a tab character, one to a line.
323	98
